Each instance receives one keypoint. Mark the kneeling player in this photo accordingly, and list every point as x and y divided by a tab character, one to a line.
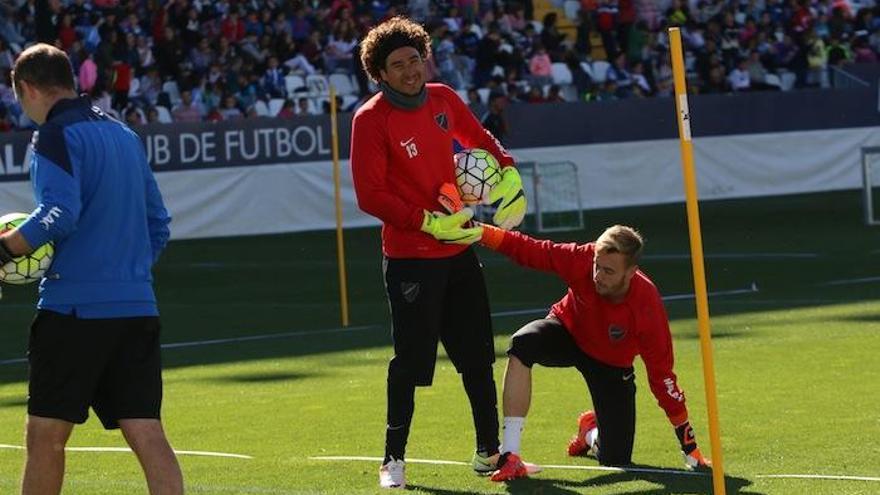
611	313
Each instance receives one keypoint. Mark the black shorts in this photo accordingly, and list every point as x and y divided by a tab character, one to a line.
111	365
438	299
613	389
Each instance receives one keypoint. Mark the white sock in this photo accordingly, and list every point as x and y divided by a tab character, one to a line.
513	427
591	437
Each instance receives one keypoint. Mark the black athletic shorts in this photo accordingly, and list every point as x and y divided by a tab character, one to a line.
111	365
613	389
438	299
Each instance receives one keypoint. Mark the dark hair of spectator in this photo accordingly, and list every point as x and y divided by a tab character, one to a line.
397	32
45	67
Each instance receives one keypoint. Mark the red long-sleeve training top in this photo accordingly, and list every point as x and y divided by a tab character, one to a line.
612	333
400	158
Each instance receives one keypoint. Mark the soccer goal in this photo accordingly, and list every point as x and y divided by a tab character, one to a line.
554	196
871	183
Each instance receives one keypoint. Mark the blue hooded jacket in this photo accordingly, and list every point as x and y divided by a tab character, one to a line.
98	201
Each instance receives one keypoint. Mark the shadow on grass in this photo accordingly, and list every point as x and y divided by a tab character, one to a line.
13	402
262	377
668	483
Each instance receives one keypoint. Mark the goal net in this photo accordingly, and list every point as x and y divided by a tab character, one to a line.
871	184
553	195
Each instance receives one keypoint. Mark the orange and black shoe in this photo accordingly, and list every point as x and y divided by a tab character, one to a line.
510	467
578	445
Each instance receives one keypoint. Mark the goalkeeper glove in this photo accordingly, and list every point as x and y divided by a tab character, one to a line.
693	458
509	199
450	229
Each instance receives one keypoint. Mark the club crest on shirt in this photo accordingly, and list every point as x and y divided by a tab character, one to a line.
442	121
616	333
410	291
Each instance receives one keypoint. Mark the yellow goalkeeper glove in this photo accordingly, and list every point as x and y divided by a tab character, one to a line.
509	199
450	229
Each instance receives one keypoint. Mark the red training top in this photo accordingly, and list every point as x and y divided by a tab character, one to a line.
612	333
400	158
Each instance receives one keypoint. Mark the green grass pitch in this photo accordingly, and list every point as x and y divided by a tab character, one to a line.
796	363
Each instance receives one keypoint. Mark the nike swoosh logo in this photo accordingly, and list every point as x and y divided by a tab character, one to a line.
404	143
628	377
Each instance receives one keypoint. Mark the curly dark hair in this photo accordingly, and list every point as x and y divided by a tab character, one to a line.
392	34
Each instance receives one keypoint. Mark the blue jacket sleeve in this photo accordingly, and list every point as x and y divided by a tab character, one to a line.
56	189
157	215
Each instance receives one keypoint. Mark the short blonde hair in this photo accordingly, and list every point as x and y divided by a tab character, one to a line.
621	239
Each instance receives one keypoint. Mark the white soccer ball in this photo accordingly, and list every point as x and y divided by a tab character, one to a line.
29	268
476	173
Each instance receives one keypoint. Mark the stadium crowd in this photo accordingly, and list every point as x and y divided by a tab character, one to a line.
199	60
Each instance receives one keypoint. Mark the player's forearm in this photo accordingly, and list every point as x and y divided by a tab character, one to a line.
391	210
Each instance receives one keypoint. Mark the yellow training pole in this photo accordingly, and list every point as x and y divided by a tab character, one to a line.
693	213
340	247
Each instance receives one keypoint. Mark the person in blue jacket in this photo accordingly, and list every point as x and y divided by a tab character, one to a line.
95	339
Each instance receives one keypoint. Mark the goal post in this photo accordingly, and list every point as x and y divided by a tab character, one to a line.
871	183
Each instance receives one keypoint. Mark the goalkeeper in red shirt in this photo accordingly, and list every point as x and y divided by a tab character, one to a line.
401	154
611	313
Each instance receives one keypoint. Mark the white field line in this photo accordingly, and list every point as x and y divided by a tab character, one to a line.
851	281
732	256
675	297
819	477
126	449
248	338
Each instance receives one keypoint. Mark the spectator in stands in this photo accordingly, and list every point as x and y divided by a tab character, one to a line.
88	74
641	86
303	107
495	121
287	110
134	116
554	94
739	77
187	110
536	95
273	80
339	50
540	67
152	115
621	76
817	60
475	103
230	110
551	37
716	82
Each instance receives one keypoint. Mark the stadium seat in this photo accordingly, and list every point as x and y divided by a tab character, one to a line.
318	85
538	26
587	68
275	105
342	83
600	71
134	88
261	108
788	79
561	73
571	8
293	82
173	91
164	115
484	95
773	80
347	102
